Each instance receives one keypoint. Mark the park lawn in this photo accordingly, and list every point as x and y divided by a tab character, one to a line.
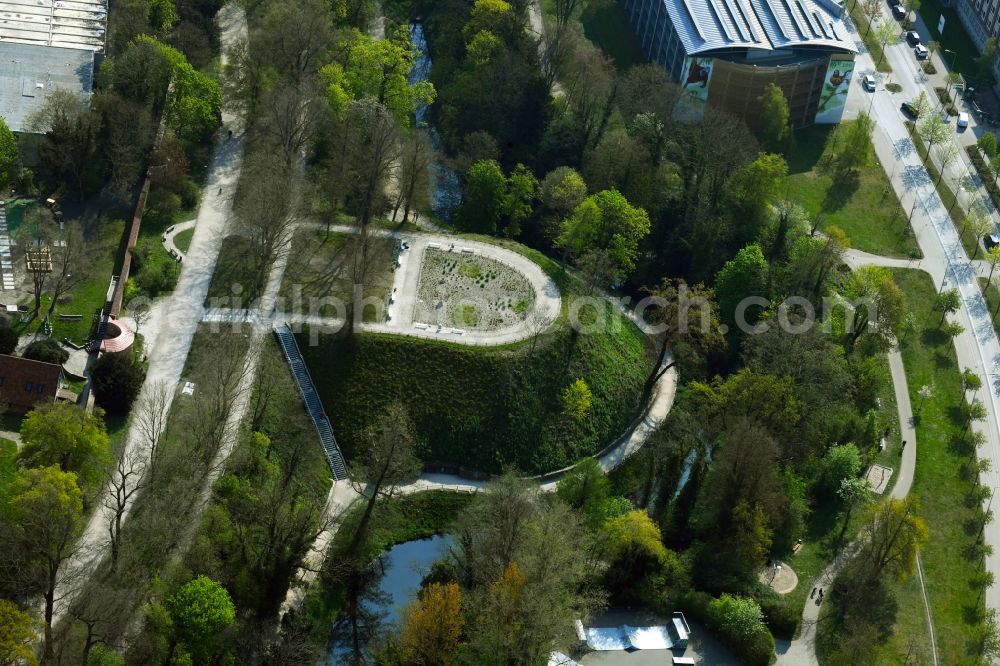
230	286
929	359
90	295
317	280
954	38
865	207
183	239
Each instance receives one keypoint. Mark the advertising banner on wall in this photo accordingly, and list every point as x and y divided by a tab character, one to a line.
833	97
695	79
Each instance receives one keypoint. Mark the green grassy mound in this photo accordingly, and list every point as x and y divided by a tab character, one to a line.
486	409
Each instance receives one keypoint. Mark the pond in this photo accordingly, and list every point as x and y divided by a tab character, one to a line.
392	582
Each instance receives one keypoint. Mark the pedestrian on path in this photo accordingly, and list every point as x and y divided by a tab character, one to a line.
903	446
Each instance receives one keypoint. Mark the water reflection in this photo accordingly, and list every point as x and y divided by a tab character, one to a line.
376	597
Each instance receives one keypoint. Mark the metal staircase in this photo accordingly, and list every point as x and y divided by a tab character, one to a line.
290	349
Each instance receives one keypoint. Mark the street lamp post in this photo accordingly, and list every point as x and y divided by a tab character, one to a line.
951	69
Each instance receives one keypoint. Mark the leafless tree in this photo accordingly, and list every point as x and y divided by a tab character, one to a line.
36	238
289	117
69	258
590	89
387	462
538	322
265	215
414	175
150	419
126	480
372	150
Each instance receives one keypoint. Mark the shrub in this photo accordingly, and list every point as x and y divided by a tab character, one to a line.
46	350
736	621
154	270
8	340
988	144
117	379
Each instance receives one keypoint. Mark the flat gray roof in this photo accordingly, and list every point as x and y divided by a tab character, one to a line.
29	74
709	25
75	24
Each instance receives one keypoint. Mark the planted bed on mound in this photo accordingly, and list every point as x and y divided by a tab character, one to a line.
486	409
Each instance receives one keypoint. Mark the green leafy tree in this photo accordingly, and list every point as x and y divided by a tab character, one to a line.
739	617
17	636
854	492
101	655
885	32
920	105
988	144
46	350
857	150
743	276
932	131
754	190
46	513
842	462
607	223
947	302
985	60
117	379
563	189
586	489
8	339
891	537
486	201
879	305
65	435
577	399
378	69
194	104
522	192
10	160
199	612
774	129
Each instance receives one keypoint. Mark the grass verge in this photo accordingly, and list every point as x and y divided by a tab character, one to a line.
867	33
941	482
183	239
862	205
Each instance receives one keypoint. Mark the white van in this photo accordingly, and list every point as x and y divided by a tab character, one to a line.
921	51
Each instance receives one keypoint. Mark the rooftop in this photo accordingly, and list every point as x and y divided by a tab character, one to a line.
709	25
72	24
28	74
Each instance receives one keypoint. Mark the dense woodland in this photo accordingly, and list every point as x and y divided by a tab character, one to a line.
596	171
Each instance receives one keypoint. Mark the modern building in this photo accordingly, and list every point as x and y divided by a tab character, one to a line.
47	45
25	383
981	19
723	53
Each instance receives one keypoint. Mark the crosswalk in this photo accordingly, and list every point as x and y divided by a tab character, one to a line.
307	390
6	261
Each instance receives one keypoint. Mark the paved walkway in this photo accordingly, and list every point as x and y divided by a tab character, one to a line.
406	282
168	238
185	309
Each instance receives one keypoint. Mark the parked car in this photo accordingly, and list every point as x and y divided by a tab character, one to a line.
913	38
895	3
899	13
921	52
990	241
908	110
868	82
963	120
